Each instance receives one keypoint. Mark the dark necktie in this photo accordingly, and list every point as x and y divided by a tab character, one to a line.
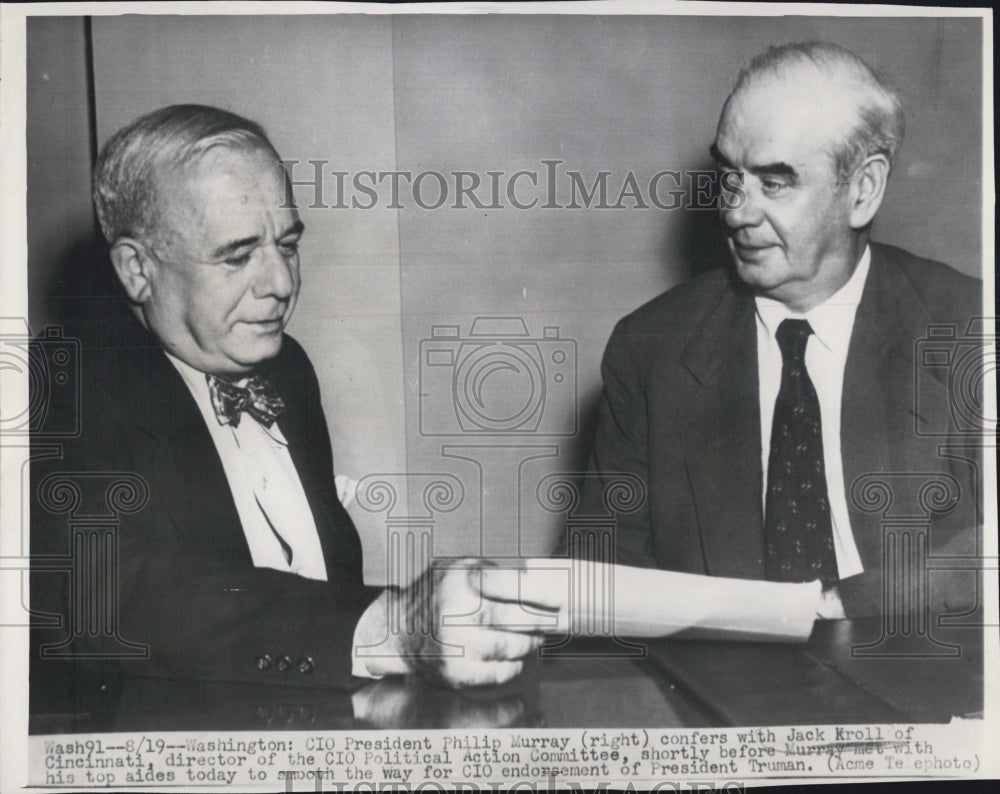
257	398
798	533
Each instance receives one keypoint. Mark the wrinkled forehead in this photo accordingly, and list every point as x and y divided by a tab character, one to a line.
227	176
796	114
252	174
224	191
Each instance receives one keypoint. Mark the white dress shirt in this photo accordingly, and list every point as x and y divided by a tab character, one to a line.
826	357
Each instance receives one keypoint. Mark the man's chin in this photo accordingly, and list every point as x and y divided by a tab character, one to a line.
256	351
756	275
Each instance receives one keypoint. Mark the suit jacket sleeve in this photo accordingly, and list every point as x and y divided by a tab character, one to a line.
620	448
930	437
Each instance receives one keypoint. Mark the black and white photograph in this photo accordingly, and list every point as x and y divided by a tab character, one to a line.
559	395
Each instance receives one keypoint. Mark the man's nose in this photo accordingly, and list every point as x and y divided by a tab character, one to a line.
277	275
739	206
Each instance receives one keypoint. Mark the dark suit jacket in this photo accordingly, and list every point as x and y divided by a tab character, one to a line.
680	410
187	587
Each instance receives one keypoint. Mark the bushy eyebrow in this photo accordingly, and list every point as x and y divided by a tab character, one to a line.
233	246
774	169
766	169
227	249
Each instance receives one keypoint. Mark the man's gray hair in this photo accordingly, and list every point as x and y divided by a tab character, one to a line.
130	163
879	124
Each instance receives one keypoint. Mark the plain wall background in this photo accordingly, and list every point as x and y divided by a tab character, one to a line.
481	93
59	148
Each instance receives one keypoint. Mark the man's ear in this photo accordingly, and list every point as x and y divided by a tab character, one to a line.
867	189
134	266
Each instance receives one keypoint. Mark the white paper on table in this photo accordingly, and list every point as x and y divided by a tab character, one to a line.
588	598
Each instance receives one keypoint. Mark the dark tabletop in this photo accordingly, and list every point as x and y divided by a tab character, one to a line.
848	672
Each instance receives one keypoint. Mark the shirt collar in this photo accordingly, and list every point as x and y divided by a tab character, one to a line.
832	320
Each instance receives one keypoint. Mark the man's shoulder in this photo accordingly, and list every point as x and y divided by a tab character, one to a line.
291	367
683	306
943	292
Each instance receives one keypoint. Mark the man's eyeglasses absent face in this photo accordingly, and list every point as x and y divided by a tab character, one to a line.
219	282
793	232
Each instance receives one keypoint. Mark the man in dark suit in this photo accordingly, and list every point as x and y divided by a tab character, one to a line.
235	560
770	409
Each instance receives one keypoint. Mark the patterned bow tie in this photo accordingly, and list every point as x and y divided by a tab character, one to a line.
257	398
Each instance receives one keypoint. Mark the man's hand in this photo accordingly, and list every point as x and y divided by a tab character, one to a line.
463	636
446	628
830	607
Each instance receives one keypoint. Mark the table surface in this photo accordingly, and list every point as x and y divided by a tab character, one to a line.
848	672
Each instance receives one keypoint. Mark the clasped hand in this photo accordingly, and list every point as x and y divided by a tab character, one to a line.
463	623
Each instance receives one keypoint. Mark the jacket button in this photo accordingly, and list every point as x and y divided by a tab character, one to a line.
284	664
264	661
306	665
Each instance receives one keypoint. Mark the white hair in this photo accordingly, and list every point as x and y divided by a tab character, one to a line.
126	175
878	124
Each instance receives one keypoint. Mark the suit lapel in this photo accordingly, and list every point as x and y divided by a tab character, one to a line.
304	426
184	465
722	439
880	411
321	501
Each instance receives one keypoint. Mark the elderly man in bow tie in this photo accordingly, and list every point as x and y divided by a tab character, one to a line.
244	565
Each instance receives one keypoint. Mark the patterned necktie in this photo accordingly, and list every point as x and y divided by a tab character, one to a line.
798	533
257	398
